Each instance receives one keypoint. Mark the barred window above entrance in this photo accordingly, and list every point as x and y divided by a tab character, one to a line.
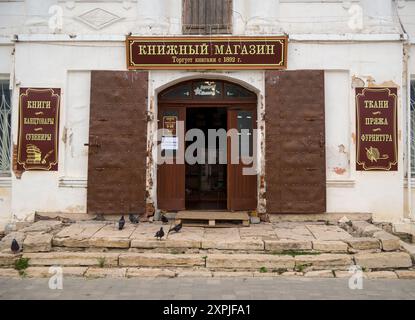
207	17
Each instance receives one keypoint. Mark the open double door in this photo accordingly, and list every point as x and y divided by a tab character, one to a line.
241	185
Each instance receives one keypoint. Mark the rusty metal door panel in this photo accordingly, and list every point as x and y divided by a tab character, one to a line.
125	123
295	141
123	149
104	176
117	142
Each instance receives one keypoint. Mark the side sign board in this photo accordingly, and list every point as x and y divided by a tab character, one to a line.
376	129
38	129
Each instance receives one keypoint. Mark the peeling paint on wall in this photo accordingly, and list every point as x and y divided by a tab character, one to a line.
261	170
339	171
369	81
388	83
354	138
150	208
357	82
342	149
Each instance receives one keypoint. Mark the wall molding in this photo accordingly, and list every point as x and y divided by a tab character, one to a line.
71	182
5	182
341	183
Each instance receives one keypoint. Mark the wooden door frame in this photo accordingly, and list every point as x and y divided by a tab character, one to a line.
212	104
247	107
229	103
159	114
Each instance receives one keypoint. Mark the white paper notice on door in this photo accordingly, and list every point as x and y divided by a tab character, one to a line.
169	143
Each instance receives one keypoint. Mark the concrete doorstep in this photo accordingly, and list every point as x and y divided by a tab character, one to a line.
103	264
97	249
136	272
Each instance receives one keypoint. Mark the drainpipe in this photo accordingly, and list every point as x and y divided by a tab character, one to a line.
406	76
407	47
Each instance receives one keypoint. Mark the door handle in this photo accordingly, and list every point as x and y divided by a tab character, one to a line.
97	145
322	140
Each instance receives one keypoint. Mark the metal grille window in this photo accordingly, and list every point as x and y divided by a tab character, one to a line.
413	128
5	128
207	16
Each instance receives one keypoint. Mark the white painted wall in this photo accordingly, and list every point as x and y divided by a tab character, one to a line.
348	191
338	113
62	190
67	65
164	17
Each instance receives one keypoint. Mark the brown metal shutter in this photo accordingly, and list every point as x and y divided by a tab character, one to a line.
295	141
117	142
207	17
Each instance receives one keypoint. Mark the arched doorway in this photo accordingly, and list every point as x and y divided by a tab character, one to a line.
199	107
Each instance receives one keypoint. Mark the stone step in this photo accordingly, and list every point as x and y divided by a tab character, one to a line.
217	261
64	217
332	217
250	261
7	259
160	260
135	272
250	244
383	260
72	259
216	219
364	228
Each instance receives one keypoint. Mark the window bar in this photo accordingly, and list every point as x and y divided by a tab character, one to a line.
5	128
412	106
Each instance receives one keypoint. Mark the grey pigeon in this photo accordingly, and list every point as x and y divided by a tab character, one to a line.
134	219
159	234
164	219
15	246
176	228
121	223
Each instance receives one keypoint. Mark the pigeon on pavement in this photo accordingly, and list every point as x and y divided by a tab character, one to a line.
159	234
176	228
15	246
121	223
164	219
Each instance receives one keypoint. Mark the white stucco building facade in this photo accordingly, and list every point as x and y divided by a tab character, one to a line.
56	44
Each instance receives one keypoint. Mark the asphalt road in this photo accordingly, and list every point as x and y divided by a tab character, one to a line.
206	289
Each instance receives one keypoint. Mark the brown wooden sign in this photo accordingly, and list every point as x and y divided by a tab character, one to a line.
376	129
207	53
38	129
